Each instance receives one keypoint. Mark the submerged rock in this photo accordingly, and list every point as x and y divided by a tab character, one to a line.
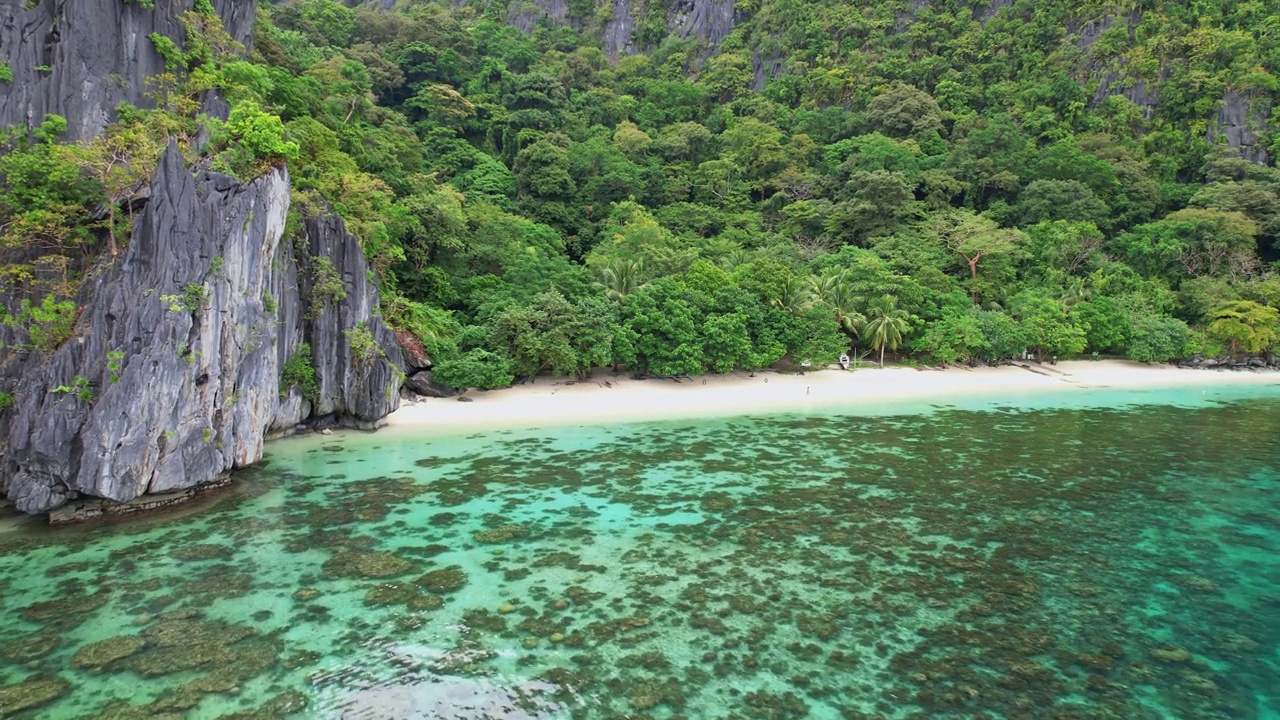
29	647
505	533
347	564
1171	655
444	580
105	652
30	693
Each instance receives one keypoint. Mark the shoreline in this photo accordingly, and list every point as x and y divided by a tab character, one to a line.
609	398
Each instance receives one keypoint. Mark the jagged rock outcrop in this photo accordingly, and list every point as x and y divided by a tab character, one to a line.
82	58
330	302
174	375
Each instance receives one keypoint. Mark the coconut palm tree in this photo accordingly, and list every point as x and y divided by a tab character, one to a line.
736	257
1077	290
793	295
837	293
621	278
885	324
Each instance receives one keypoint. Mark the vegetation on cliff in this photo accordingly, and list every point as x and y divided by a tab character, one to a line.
937	178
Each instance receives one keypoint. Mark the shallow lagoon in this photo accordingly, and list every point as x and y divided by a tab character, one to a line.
1011	557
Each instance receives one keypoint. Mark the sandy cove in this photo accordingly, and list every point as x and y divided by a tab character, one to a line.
609	398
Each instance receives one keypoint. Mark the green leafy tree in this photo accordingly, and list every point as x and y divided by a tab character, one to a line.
1003	336
252	139
122	159
976	238
955	337
552	333
1156	338
1245	326
660	331
726	342
1191	243
904	110
1105	325
1049	330
478	368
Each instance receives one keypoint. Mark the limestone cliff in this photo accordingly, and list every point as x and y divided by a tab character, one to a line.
174	376
81	58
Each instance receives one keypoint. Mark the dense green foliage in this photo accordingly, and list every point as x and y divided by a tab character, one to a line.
300	372
944	180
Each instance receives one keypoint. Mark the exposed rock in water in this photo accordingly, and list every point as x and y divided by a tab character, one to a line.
174	376
80	59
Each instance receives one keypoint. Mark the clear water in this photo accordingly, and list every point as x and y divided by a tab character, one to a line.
1096	554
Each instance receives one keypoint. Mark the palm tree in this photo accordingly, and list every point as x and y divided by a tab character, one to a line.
621	278
1077	290
735	258
793	296
885	324
836	292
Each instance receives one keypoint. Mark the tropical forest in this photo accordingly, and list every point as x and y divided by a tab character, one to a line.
541	187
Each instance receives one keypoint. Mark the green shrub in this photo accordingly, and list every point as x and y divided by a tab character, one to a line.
48	324
327	287
364	348
298	371
79	387
477	368
168	51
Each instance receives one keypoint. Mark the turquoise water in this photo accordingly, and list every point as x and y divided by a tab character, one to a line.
1093	554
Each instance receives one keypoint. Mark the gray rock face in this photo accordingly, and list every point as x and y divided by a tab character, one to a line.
424	384
81	58
708	20
1241	120
174	376
357	360
526	15
618	29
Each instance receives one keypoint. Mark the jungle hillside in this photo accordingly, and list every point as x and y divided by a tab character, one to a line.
707	186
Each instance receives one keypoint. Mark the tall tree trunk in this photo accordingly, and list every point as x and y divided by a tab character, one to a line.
111	229
882	356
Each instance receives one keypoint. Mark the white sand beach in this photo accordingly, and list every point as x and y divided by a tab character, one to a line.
610	398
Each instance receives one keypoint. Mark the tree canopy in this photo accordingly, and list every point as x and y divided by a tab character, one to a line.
930	180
